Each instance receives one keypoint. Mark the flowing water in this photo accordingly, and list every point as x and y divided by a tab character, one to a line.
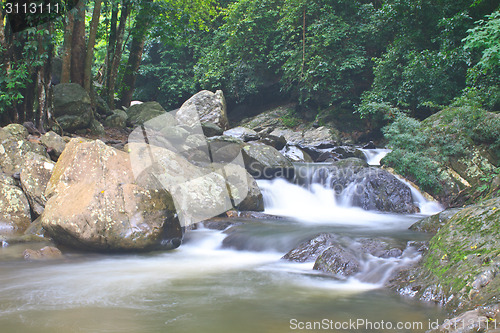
204	287
374	156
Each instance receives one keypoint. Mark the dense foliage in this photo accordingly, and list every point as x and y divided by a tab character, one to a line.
372	58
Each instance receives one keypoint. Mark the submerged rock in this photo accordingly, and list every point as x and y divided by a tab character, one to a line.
45	253
337	260
95	203
310	250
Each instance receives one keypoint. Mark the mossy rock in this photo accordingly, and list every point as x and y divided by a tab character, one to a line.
460	270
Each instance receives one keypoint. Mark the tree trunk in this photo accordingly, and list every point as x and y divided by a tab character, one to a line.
78	50
139	35
66	53
111	46
115	63
87	77
133	64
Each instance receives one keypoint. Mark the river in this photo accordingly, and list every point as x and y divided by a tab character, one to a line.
204	287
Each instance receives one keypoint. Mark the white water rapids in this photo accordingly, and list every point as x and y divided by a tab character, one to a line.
205	287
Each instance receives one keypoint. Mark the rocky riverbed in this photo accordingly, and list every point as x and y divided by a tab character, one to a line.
83	192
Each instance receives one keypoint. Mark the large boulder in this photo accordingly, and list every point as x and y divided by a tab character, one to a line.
369	188
35	176
138	114
72	106
15	215
461	270
14	148
205	106
264	162
94	202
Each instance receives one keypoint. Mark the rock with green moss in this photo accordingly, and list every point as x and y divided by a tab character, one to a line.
138	114
433	223
461	268
117	119
72	106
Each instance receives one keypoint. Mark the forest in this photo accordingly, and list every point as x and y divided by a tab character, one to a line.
371	58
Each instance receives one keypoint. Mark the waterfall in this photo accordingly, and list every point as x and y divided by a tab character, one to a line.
427	207
312	197
374	156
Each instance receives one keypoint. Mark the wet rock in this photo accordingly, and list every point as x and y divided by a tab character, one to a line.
482	319
278	142
54	143
221	224
433	223
117	119
95	203
15	215
242	133
72	106
45	253
211	129
369	188
205	106
370	145
337	260
461	268
138	114
295	154
253	200
350	162
264	162
327	156
14	147
35	176
311	249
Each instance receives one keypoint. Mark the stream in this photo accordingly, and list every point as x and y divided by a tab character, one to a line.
205	287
